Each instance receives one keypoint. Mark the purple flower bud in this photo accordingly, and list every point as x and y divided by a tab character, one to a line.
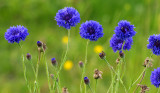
54	62
86	80
28	56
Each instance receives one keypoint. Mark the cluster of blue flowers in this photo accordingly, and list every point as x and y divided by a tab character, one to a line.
92	30
16	34
122	39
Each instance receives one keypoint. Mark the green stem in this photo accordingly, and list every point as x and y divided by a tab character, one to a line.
83	71
90	88
25	77
158	90
116	74
33	67
95	86
36	88
24	70
64	59
47	72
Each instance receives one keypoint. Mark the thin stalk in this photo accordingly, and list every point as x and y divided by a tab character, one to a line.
95	86
47	72
158	90
25	77
33	67
140	81
117	83
36	79
83	70
64	59
90	88
137	78
116	74
24	70
110	67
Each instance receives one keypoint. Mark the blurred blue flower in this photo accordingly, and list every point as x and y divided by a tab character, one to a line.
117	43
124	30
91	30
154	44
155	77
16	34
67	17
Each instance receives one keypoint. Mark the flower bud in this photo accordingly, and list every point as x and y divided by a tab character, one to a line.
86	80
121	54
28	56
102	55
64	90
81	64
54	62
39	43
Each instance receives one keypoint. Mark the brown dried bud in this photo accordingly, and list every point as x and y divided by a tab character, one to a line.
52	76
97	74
144	88
117	60
102	55
148	62
81	64
65	90
44	47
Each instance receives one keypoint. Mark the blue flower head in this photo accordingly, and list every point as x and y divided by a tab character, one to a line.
91	30
155	77
67	17
154	44
16	34
117	43
124	30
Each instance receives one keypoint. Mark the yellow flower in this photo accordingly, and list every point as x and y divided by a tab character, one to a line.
68	65
65	40
98	49
127	7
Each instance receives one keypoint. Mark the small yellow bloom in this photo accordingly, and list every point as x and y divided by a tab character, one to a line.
68	65
98	49
65	40
127	7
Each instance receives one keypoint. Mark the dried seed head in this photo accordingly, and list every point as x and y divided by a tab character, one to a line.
81	64
121	54
144	88
28	56
102	55
117	60
97	74
65	90
44	47
148	62
86	80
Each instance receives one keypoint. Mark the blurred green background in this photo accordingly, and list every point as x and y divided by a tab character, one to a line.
38	17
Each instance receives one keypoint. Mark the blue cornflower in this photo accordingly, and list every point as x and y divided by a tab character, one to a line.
155	77
67	17
124	30
154	44
91	30
117	43
16	34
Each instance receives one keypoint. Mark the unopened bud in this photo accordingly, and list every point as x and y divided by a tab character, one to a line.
102	55
80	64
28	56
